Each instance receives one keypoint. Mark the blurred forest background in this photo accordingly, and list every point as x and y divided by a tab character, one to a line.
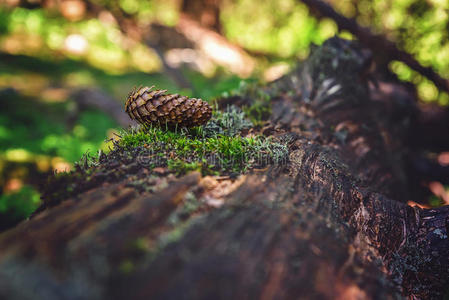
66	66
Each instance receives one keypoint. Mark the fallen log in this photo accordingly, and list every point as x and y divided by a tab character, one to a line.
330	222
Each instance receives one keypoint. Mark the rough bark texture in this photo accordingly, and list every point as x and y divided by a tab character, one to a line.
332	223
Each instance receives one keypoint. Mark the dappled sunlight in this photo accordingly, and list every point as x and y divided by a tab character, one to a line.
439	191
419	27
227	57
12	185
21	43
51	94
44	163
285	150
178	57
281	27
443	159
99	42
29	84
59	49
413	203
76	44
276	72
145	59
72	10
60	165
18	155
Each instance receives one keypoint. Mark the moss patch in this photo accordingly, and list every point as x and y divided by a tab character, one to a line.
141	155
217	148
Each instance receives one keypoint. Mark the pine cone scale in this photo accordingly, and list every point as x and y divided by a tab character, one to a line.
154	107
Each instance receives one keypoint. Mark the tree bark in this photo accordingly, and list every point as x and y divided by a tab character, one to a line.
331	223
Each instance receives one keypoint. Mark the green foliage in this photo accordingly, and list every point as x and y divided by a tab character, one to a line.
286	29
417	26
71	73
4	21
283	28
31	132
181	167
38	129
50	31
80	139
209	88
18	205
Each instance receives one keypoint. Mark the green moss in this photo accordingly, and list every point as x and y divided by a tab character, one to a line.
202	149
181	167
219	148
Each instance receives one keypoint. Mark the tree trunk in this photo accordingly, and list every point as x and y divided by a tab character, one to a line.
331	223
205	12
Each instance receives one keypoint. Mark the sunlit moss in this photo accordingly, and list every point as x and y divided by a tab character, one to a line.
209	150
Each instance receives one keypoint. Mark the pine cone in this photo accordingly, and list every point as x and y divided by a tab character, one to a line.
157	108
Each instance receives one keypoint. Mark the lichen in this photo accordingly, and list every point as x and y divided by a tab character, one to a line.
440	234
256	102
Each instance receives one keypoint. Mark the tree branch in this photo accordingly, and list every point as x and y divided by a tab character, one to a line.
377	43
